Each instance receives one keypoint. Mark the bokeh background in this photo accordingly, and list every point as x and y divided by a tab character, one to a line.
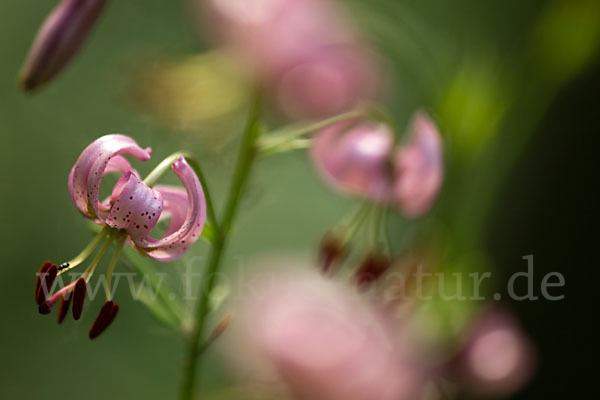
513	84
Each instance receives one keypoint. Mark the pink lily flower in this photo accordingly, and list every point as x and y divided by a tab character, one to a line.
330	80
61	35
304	51
323	341
497	359
358	158
353	157
129	214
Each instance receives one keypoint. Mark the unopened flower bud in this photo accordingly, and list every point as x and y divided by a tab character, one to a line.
57	41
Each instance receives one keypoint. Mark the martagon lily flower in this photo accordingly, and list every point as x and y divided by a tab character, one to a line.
358	157
127	216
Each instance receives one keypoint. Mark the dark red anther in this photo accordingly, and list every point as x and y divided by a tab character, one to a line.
65	302
46	281
108	312
45	307
38	278
79	297
331	250
371	269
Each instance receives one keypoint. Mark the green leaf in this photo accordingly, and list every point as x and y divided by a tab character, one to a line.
158	310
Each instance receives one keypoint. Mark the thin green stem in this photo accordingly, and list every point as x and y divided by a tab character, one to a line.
246	157
90	269
289	133
85	253
112	264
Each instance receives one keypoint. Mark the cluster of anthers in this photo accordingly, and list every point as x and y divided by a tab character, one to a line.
128	216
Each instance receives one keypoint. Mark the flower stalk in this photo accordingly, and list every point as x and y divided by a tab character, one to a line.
247	155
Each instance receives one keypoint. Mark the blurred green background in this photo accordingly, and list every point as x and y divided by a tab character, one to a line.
513	84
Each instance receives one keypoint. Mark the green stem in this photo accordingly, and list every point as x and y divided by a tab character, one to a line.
245	159
289	133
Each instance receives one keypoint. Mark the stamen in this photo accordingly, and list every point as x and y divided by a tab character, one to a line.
112	264
371	269
85	253
46	281
46	305
90	269
79	298
331	251
38	279
107	314
65	302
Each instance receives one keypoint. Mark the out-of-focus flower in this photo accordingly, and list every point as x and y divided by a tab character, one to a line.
324	341
419	168
57	41
130	213
304	50
354	157
357	157
498	359
329	81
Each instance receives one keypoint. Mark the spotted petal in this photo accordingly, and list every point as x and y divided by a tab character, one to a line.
100	157
182	232
136	207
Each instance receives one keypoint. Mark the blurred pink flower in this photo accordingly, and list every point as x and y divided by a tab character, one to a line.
304	50
498	359
357	157
327	82
326	343
61	35
419	168
354	157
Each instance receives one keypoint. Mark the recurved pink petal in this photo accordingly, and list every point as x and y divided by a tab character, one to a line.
174	244
136	208
175	205
419	168
96	160
354	158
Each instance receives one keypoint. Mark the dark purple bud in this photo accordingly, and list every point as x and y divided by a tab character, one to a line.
59	38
